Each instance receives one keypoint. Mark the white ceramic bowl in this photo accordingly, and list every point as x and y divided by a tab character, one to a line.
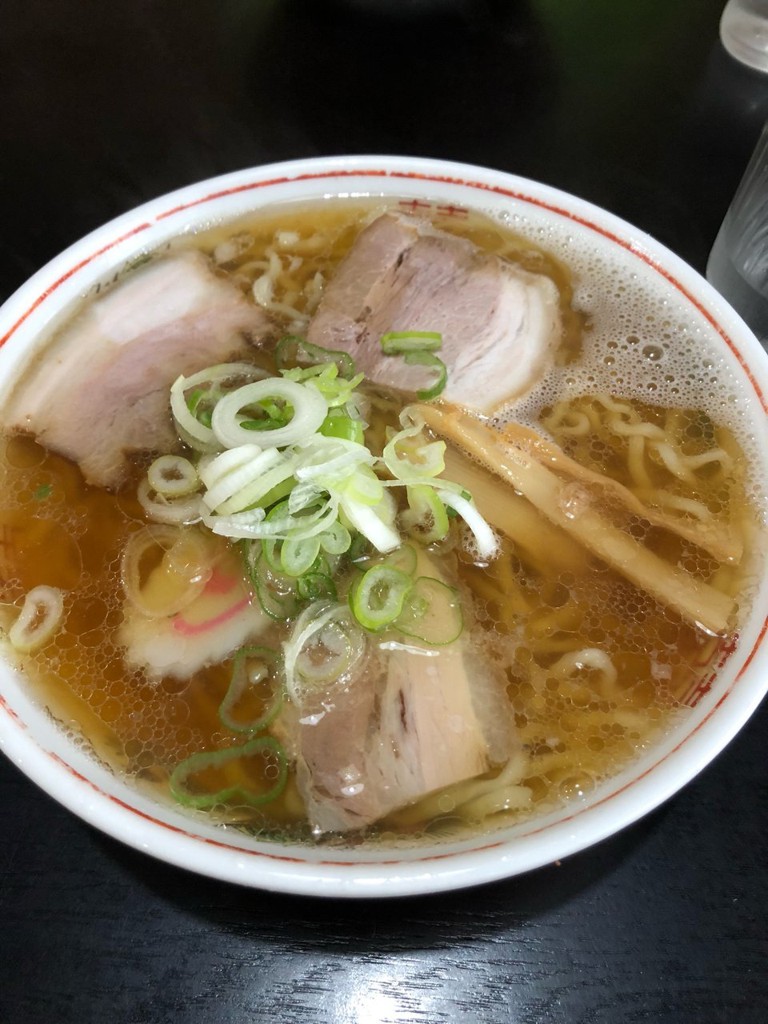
30	739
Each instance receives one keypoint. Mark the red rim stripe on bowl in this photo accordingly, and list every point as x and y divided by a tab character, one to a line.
66	276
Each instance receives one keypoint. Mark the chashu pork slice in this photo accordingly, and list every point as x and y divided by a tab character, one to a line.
100	390
416	720
499	323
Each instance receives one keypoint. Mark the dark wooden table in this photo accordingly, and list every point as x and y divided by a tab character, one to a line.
633	105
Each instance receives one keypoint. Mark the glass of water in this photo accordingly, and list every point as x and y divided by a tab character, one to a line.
744	31
738	263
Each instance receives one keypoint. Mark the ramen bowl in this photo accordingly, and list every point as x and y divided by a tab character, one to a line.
606	253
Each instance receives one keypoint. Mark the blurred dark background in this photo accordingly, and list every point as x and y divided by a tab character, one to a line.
104	104
633	105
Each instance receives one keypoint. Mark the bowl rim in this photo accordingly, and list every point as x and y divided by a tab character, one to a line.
119	812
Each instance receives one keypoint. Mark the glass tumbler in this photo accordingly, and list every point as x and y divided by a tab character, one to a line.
744	32
738	262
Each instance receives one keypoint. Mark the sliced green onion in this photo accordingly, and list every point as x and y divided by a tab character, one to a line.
316	586
207	387
276	493
311	490
370	523
294	351
431	612
215	468
251	524
485	538
270	550
417	349
245	525
363	487
410	458
398	342
377	598
38	620
267	488
309	411
324	647
304	497
360	550
426	517
403	558
271	546
432	361
298	556
184	564
173	476
325	460
169	511
336	539
267	422
275	763
339	424
277	592
334	388
290	517
237	478
200	402
253	675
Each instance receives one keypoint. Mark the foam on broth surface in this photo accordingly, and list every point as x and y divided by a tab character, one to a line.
626	337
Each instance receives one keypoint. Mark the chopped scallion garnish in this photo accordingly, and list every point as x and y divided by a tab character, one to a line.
432	361
339	424
207	762
432	612
294	351
426	517
417	348
283	463
253	680
377	597
397	342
